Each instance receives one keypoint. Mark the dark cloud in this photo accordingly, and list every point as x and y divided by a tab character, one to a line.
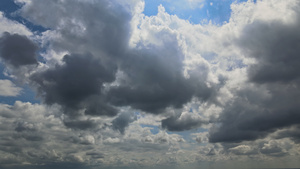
154	80
32	137
75	84
182	122
94	26
95	154
17	50
276	47
123	121
49	165
80	124
153	75
271	100
257	112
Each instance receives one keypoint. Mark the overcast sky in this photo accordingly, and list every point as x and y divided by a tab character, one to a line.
114	84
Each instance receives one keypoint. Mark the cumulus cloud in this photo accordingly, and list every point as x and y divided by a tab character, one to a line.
74	84
149	77
257	111
8	88
276	56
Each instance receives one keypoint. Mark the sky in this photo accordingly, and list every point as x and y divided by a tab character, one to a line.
151	84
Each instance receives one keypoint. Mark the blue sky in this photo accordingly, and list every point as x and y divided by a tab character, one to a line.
217	11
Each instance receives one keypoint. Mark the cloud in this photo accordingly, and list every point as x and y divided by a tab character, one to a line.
154	80
243	150
254	114
149	77
77	84
17	50
101	27
292	132
112	77
275	148
12	27
80	124
123	121
8	88
276	56
95	154
256	111
185	121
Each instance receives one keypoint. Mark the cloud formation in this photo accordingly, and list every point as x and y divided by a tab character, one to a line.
269	101
150	77
74	84
120	89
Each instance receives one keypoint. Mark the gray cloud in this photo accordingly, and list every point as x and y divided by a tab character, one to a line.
95	26
254	115
25	126
275	46
154	80
75	83
182	122
95	154
270	102
80	124
17	50
153	75
123	121
292	132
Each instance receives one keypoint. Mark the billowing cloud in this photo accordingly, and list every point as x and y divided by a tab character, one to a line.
276	56
269	102
150	77
74	84
154	80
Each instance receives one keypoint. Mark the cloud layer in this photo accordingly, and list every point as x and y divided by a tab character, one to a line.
124	90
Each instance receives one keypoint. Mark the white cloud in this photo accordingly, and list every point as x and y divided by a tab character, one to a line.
8	88
12	27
